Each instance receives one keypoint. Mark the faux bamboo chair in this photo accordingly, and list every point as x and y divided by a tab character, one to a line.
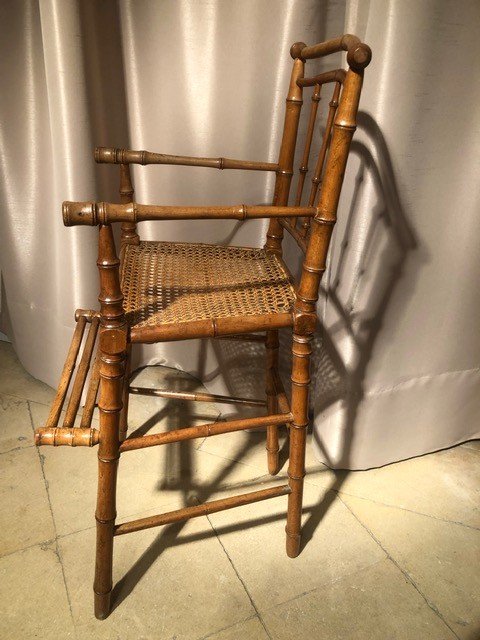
160	291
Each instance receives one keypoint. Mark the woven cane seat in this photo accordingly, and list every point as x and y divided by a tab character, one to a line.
172	283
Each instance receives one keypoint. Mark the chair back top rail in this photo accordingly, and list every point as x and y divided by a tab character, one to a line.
359	54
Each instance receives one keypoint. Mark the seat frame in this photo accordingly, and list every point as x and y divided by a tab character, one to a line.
311	227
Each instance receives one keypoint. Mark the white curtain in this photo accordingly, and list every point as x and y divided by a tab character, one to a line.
396	373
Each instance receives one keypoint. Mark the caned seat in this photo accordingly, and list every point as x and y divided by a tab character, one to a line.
163	291
172	283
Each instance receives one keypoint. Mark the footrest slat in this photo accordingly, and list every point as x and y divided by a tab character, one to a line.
67	372
68	435
81	376
200	510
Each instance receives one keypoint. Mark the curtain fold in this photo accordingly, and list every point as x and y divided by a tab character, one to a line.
396	370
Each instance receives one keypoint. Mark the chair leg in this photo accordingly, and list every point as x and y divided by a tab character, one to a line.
125	395
298	436
271	345
112	373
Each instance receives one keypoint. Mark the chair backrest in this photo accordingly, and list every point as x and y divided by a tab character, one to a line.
313	235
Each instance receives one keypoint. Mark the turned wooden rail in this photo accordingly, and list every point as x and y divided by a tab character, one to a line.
338	75
127	156
198	396
200	510
202	431
359	54
98	213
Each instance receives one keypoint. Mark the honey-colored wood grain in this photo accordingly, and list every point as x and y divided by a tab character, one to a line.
201	510
96	213
202	431
118	332
113	340
81	376
126	156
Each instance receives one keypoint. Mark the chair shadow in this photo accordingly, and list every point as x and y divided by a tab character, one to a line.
335	380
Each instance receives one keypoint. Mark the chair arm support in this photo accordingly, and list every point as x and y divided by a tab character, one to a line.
95	213
126	156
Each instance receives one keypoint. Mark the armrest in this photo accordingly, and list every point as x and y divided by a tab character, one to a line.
126	156
95	213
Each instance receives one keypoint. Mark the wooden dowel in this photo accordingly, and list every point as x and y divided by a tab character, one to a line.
296	235
338	75
81	376
317	175
282	399
202	431
358	53
95	213
196	397
200	510
67	372
210	328
92	392
303	169
246	337
127	156
66	436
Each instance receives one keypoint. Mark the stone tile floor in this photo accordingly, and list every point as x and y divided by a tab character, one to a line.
391	553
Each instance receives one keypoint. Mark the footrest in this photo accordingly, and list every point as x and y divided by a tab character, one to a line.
67	434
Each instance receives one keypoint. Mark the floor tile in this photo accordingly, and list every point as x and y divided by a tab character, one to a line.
145	412
373	604
445	484
33	596
254	537
150	481
15	381
24	510
248	447
441	558
174	582
249	630
15	424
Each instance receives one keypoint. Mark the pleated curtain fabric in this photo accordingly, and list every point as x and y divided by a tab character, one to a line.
396	371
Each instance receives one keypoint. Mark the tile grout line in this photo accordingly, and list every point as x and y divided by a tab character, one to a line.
57	548
240	579
230	626
19	448
42	543
404	572
326	584
394	506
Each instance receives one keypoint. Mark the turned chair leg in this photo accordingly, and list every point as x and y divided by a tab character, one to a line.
272	447
112	372
298	436
125	395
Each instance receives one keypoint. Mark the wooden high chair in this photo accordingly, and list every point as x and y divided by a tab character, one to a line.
161	291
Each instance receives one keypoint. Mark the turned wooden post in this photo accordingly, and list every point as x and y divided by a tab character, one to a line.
307	295
271	345
129	236
129	229
287	151
113	338
303	169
